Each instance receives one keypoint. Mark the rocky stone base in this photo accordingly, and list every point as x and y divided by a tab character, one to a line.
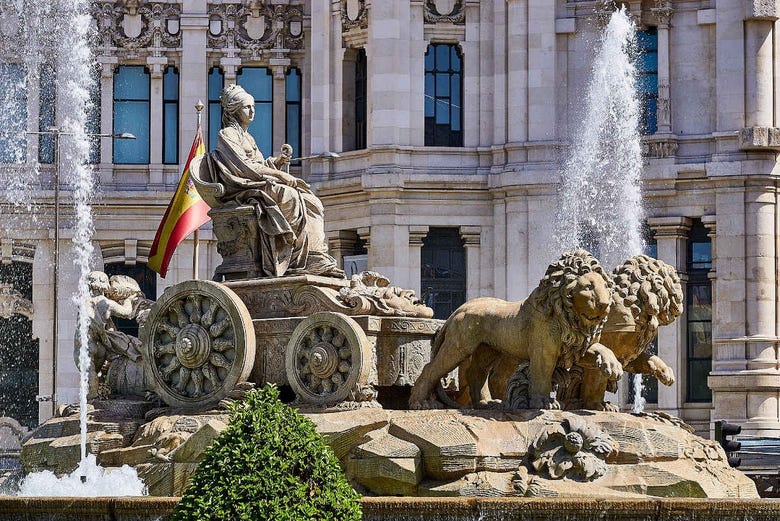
433	453
528	453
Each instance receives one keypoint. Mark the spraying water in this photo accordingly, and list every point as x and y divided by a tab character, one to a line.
600	205
60	31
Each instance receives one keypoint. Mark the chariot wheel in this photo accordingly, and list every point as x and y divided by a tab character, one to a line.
328	356
198	342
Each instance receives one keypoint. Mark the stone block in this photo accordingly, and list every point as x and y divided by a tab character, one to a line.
132	456
449	449
192	448
344	431
158	478
478	484
182	475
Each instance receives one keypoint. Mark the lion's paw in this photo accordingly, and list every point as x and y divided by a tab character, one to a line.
543	402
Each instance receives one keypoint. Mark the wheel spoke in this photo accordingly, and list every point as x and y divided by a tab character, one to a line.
184	378
167	348
195	314
211	375
219	328
197	382
168	370
219	360
181	313
221	345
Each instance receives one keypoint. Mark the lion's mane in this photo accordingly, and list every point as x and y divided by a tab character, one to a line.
651	290
554	299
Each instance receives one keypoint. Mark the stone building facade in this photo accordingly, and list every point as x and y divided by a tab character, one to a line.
450	118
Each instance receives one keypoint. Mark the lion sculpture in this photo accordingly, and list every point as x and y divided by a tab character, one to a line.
647	294
556	325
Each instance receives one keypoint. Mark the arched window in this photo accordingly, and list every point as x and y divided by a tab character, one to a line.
258	82
443	271
443	95
131	114
171	116
292	90
698	294
647	71
216	81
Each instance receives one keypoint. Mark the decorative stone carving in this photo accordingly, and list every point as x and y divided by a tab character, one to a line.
135	26
663	11
353	15
255	26
445	11
372	290
13	303
759	138
573	448
659	147
558	324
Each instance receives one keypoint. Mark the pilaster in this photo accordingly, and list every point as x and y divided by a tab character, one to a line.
663	12
471	236
416	235
671	234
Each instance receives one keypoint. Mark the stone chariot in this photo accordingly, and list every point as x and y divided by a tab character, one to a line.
332	340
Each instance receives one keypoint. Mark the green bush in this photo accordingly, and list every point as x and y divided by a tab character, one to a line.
268	464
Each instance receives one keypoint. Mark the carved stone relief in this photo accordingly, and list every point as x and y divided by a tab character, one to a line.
13	303
659	148
134	26
353	15
255	27
445	11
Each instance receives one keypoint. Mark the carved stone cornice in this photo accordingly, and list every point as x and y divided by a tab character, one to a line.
434	12
354	15
133	27
659	147
13	303
255	27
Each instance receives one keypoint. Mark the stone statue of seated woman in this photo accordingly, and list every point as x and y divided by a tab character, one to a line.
268	223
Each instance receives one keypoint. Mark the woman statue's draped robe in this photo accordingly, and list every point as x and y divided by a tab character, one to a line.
292	235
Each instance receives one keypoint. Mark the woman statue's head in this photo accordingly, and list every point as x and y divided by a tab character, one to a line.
238	106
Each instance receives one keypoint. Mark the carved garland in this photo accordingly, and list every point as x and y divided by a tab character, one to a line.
254	27
159	24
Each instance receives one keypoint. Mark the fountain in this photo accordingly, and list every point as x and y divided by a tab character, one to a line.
519	453
62	30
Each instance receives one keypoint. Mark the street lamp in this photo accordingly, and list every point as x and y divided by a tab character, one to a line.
56	132
327	155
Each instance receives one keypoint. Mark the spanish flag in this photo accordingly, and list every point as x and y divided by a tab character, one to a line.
185	214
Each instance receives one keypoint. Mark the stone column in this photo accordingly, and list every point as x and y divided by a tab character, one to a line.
759	83
471	239
319	70
156	65
341	243
663	13
416	236
729	59
671	234
541	71
365	236
194	70
279	108
760	132
472	65
106	168
516	247
499	245
517	71
500	50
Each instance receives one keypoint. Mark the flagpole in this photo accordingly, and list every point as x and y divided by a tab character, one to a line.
198	108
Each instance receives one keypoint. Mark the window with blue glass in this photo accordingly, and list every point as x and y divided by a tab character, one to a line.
216	81
698	293
171	116
93	115
46	113
258	82
131	114
292	90
647	78
443	94
13	141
